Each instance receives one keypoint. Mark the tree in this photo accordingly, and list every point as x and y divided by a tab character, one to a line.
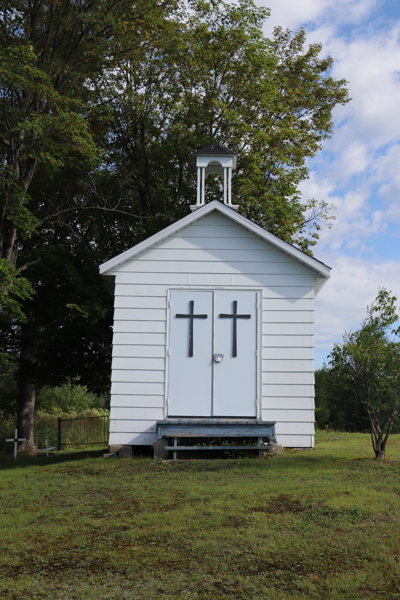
53	55
368	361
105	110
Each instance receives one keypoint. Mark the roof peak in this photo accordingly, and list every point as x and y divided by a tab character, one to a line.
214	149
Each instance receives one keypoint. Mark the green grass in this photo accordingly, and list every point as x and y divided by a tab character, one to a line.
320	524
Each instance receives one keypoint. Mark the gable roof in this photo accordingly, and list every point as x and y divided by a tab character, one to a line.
311	262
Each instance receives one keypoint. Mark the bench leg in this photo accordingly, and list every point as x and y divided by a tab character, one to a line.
174	451
260	443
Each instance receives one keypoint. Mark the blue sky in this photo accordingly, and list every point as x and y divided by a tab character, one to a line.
359	169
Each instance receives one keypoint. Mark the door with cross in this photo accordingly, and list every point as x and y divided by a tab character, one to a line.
212	353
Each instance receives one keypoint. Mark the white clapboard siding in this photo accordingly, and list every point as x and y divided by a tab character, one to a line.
139	351
140	289
141	414
304	353
132	439
286	304
216	243
177	267
143	314
287	402
211	255
141	388
129	400
294	428
213	231
288	341
140	302
132	425
288	365
140	326
288	415
151	278
296	292
137	376
288	328
146	364
288	316
293	390
296	441
151	339
288	378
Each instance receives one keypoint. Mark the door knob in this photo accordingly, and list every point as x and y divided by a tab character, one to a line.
218	358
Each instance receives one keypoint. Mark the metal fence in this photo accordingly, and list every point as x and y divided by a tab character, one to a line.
82	431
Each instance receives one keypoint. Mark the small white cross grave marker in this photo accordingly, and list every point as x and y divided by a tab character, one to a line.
46	448
15	441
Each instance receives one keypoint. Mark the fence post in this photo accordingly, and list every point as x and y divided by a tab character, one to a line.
59	433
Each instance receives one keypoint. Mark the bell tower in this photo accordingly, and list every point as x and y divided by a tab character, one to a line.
214	159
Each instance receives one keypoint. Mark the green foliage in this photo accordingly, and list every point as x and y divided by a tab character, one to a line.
67	398
368	364
8	391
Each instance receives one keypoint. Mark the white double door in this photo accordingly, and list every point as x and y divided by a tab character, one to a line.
212	354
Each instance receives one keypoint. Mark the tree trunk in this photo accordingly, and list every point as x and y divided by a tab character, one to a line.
27	389
380	447
26	410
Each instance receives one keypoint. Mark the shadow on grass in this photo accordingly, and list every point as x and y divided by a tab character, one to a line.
28	460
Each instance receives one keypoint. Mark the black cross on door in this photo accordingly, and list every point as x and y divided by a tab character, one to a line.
191	316
235	317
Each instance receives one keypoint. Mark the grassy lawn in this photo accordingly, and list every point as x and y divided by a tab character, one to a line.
320	524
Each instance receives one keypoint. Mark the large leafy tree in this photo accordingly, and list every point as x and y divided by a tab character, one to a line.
368	364
97	130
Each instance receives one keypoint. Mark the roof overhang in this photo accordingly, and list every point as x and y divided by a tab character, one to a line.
320	268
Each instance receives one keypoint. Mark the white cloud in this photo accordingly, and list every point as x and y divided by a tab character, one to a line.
342	303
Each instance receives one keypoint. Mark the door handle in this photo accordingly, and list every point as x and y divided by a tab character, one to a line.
218	358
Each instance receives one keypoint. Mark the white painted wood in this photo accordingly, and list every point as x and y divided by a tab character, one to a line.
219	253
288	341
140	326
137	314
132	425
137	413
140	302
213	231
209	279
287	304
207	243
150	278
190	377
132	439
292	390
147	267
288	328
296	441
146	364
141	289
234	217
289	415
288	316
301	353
288	378
287	365
137	401
210	255
137	376
150	339
294	428
286	402
235	378
138	351
151	389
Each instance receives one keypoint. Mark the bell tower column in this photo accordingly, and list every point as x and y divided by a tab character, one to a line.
214	159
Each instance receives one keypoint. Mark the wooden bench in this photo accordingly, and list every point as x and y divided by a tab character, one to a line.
215	428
